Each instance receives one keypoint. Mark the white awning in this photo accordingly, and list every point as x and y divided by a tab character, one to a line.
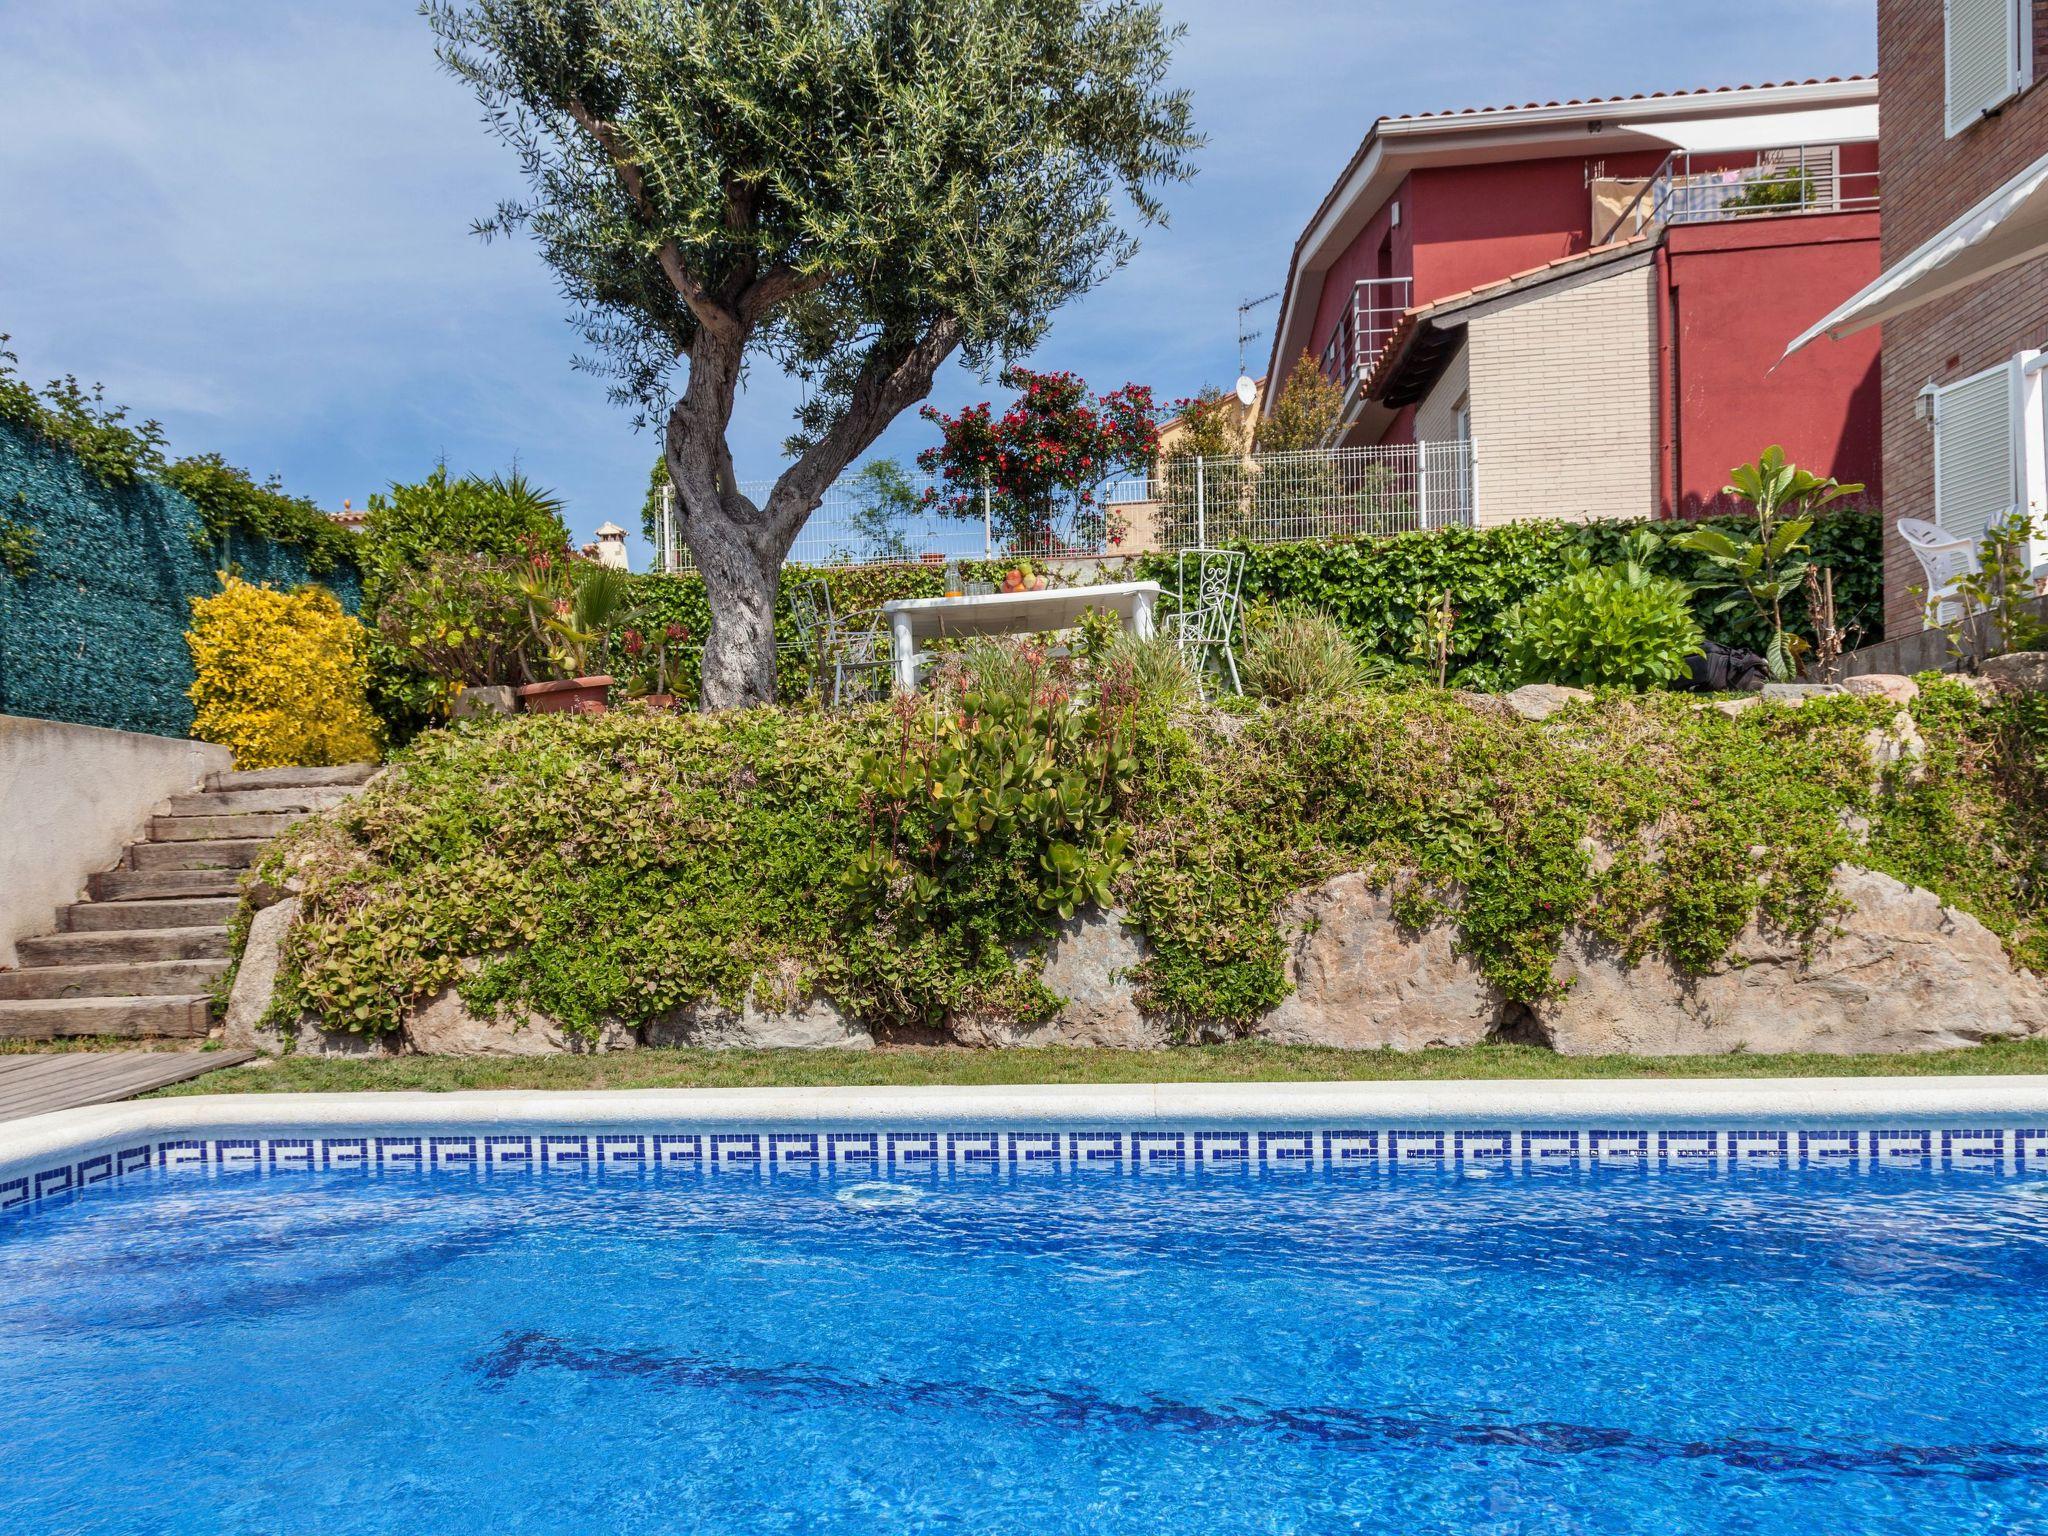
2008	227
1767	130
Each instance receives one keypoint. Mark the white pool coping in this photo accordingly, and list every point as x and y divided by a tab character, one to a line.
1977	1102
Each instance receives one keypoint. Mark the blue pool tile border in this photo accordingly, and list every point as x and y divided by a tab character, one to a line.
2005	1151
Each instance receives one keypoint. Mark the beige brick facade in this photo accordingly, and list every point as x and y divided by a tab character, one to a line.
1563	399
1436	418
1930	180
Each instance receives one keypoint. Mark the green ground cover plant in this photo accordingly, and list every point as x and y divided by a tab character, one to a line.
906	860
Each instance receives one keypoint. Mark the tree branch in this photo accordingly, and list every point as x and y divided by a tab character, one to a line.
777	285
710	313
894	376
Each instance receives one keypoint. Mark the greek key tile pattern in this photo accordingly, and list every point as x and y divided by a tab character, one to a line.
899	1153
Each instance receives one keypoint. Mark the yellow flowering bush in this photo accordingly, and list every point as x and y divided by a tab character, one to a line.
283	677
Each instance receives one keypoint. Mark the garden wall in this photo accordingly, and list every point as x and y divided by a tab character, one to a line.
94	631
70	798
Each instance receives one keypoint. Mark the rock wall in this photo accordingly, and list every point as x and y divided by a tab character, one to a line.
1903	972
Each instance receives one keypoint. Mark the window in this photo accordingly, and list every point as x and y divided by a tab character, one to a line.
1990	448
1989	56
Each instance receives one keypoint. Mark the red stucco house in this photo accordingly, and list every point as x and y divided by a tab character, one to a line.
1963	294
1596	294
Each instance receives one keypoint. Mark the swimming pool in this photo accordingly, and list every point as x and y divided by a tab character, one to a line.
1692	1316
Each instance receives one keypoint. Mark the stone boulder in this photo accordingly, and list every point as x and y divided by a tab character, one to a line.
777	1014
1904	973
256	979
1898	749
447	1026
1363	982
475	703
1090	963
1539	701
1895	686
1795	694
2017	672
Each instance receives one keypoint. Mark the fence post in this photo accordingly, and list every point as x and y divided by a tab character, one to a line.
1422	480
666	554
1201	508
988	543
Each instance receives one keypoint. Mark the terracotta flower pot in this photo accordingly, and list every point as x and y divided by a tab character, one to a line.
665	701
577	696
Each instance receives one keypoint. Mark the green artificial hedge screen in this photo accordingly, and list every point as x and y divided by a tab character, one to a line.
93	631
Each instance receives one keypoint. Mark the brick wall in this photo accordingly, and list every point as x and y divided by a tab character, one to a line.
1929	180
1563	403
1938	343
1928	177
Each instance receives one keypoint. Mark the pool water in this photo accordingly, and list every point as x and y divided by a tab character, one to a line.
1595	1351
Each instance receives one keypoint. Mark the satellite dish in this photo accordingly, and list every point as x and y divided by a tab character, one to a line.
1247	390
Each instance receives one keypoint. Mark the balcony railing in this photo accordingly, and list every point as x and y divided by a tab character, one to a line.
1363	330
1693	188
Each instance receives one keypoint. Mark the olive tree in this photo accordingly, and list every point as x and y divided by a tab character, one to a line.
850	189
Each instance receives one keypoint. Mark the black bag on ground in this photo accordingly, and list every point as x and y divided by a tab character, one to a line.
1723	669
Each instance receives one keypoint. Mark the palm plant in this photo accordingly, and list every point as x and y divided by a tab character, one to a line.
569	605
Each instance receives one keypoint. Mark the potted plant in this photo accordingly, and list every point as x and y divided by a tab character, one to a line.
569	601
654	681
463	622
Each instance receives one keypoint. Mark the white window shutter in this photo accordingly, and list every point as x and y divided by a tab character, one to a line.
2031	459
1984	56
1974	440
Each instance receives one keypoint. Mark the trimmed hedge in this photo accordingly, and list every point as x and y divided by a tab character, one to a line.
1376	587
94	631
1372	587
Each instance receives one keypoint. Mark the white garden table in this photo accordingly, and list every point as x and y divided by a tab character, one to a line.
916	619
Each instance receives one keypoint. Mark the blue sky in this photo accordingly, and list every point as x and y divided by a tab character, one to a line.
250	218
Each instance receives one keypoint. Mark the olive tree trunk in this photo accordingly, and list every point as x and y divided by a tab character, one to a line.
740	547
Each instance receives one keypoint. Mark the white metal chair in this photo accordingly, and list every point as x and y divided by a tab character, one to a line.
1204	623
849	652
1945	559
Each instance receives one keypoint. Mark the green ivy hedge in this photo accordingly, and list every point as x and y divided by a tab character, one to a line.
1376	587
92	628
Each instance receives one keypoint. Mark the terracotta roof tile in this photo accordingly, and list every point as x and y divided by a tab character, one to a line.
1600	101
1410	320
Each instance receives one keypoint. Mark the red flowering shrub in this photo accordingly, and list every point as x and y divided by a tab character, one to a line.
1044	461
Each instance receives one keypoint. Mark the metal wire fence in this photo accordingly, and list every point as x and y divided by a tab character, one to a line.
1185	503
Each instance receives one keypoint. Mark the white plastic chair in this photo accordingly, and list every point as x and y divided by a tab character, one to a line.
1945	558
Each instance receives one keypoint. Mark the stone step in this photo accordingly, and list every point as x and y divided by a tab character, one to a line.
122	946
291	778
135	978
128	1017
144	884
209	829
113	916
247	802
199	853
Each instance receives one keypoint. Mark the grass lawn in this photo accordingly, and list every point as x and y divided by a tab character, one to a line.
1244	1061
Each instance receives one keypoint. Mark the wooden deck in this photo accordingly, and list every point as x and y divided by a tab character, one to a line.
38	1083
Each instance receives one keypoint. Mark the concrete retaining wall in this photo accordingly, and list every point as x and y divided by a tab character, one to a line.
70	797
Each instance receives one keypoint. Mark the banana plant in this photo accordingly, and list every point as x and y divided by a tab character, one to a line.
1769	564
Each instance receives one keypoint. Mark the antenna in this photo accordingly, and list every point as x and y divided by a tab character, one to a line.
1244	335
